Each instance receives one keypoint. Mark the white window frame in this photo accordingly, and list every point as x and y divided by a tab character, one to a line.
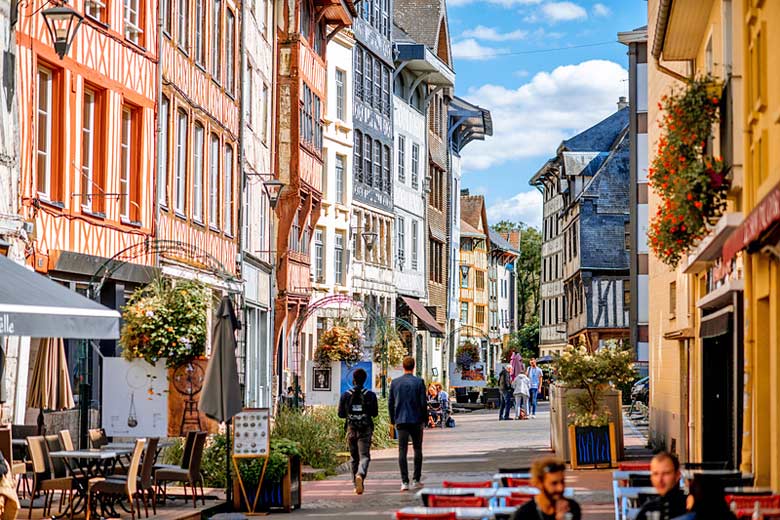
180	171
216	40
230	51
183	26
162	181
338	258
341	94
401	159
415	166
228	190
198	140
132	18
214	181
341	181
87	148
200	33
94	9
415	245
125	145
319	255
400	224
45	79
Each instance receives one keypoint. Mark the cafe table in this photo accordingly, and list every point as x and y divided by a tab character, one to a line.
753	491
464	513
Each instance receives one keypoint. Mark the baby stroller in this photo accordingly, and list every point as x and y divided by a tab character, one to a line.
435	414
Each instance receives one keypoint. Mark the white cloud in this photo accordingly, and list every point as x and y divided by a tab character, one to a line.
563	12
532	120
504	3
522	73
526	207
480	32
470	49
601	10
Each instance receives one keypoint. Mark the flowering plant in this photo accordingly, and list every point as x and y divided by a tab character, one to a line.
340	343
692	185
466	355
390	341
592	372
166	319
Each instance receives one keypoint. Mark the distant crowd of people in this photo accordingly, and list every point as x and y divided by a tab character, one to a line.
519	386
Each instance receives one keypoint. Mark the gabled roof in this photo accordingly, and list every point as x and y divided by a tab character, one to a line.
426	22
498	242
467	230
599	137
472	210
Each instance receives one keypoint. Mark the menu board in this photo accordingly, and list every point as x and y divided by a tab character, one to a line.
251	433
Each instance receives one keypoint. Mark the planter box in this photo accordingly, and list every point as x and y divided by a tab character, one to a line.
285	495
559	428
592	446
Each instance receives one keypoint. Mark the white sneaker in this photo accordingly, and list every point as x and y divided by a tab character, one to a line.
417	484
359	484
533	416
404	486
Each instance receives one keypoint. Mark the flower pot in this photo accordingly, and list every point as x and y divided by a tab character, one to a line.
285	494
592	446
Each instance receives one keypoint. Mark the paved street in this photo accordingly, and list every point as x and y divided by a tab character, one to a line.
471	451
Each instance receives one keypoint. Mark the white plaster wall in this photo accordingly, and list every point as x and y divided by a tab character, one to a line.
504	316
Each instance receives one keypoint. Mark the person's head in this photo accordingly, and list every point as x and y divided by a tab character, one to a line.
359	377
408	364
664	472
707	498
289	389
438	387
533	362
547	474
432	389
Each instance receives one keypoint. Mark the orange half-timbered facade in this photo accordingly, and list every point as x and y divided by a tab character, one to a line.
303	29
87	132
199	174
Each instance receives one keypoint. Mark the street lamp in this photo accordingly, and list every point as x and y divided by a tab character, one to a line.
273	189
369	238
63	23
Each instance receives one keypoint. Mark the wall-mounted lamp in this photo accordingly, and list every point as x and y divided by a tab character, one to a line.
464	270
273	187
369	238
63	24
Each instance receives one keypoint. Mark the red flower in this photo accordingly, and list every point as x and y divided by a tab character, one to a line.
715	100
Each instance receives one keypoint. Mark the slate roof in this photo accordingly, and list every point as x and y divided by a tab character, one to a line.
421	19
498	242
599	137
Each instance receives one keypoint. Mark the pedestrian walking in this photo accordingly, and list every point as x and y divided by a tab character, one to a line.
665	476
548	476
536	376
522	390
408	409
359	407
507	392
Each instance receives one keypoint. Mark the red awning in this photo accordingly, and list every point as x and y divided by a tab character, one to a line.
763	216
428	321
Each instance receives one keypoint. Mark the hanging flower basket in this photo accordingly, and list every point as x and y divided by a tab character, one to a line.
340	343
692	184
466	355
166	319
390	341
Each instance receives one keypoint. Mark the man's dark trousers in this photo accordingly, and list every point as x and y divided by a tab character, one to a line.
405	431
360	449
507	397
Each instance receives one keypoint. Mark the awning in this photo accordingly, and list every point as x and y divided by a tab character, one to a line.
32	305
716	324
763	216
428	321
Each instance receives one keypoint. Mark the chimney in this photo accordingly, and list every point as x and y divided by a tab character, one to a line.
622	102
464	192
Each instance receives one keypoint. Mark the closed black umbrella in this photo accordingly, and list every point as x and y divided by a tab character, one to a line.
220	397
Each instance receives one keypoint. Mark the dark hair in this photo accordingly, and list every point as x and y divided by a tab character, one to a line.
708	498
542	466
408	363
359	377
665	455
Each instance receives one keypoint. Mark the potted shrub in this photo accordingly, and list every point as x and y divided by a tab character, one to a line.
281	481
587	376
341	342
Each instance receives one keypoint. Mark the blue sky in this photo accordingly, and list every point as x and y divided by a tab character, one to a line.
505	62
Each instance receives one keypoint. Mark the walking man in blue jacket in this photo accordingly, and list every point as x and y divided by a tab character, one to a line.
408	410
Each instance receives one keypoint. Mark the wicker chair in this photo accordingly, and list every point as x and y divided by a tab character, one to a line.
119	487
46	477
6	447
189	475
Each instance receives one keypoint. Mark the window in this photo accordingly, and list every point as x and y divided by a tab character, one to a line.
479	277
368	74
377	85
133	19
165	14
338	258
200	33
386	105
197	174
480	314
357	161
627	236
184	24
214	181
358	73
310	118
250	89
388	181
626	296
228	211
340	94
672	299
319	269
415	165
401	245
180	175
216	40
43	150
125	146
464	279
266	111
340	179
295	233
464	313
368	170
415	245
436	197
162	182
377	164
230	42
436	261
401	159
96	9
87	149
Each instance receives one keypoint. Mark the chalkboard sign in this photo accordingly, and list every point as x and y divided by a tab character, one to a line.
592	446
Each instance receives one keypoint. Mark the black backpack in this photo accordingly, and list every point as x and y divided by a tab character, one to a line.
356	416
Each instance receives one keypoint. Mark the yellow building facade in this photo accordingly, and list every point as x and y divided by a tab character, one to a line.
473	271
695	312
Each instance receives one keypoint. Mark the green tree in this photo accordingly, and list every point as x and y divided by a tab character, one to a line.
527	268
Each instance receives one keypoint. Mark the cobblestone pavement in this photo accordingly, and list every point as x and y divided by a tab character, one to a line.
473	450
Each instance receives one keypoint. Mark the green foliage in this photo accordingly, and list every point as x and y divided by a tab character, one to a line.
214	462
389	340
593	373
525	342
281	451
528	269
166	320
172	454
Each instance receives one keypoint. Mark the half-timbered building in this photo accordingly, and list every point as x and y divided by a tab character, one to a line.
303	28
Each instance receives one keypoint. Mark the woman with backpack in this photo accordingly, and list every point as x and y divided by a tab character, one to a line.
359	407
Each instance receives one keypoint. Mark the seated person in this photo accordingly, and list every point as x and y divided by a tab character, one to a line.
665	477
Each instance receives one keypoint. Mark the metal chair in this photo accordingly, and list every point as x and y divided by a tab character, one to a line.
119	487
188	475
478	484
456	501
47	479
517	500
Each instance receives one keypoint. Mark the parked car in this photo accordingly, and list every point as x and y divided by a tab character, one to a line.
641	390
